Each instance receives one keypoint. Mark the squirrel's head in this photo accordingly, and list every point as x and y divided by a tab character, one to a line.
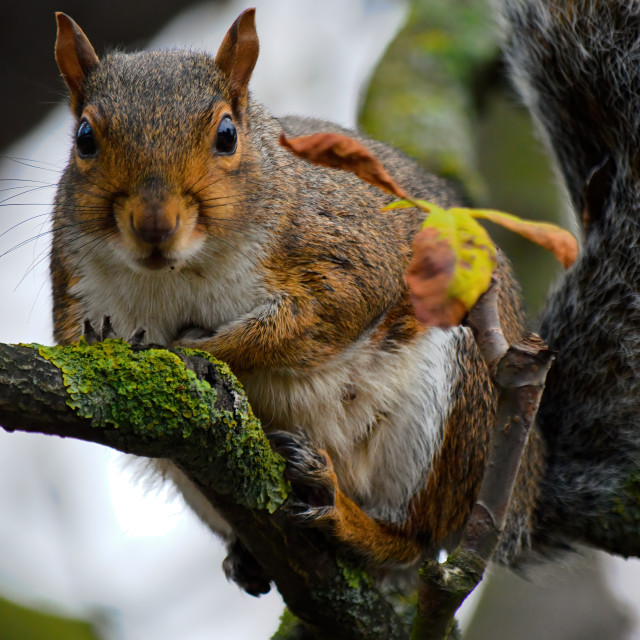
161	154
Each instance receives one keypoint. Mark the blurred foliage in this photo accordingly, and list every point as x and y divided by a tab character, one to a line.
21	623
519	179
439	94
421	96
571	602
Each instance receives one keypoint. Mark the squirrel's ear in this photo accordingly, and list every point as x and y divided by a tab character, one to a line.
75	56
237	56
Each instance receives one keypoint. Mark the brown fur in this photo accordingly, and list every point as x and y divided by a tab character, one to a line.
438	512
331	264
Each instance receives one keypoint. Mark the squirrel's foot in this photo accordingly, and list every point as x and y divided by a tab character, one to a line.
316	500
312	478
193	337
195	334
243	569
137	340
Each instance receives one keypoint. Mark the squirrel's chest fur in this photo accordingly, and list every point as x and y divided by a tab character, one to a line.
210	294
380	413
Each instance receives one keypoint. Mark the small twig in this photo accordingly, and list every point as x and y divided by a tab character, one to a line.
518	372
484	320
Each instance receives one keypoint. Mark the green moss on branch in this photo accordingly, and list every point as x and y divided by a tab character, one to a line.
151	395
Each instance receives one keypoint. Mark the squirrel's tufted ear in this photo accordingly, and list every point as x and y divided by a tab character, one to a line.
75	57
237	56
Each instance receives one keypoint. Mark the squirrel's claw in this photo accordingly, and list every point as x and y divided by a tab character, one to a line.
91	336
89	333
242	568
137	340
312	478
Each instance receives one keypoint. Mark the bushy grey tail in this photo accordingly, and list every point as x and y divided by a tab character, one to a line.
577	65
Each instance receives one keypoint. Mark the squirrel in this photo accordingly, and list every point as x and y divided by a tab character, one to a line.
179	212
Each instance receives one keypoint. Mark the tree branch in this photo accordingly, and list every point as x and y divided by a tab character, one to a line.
192	410
519	373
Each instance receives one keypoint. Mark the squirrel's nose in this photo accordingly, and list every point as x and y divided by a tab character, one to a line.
154	224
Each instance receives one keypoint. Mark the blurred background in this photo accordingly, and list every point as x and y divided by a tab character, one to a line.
85	551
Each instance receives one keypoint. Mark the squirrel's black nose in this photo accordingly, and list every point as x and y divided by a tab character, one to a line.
154	225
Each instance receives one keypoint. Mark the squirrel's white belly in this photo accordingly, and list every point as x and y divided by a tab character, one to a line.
380	414
166	302
382	436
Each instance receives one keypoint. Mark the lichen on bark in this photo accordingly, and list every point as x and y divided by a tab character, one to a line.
151	393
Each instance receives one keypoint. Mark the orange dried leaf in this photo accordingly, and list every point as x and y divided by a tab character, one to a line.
341	152
559	241
428	277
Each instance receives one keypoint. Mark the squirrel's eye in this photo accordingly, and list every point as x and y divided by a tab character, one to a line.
85	141
226	137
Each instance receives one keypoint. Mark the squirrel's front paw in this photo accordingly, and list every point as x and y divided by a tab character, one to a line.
91	336
312	479
242	568
193	337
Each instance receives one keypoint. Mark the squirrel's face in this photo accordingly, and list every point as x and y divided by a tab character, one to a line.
159	157
170	170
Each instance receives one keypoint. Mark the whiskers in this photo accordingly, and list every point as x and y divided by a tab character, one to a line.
40	165
23	216
85	221
84	225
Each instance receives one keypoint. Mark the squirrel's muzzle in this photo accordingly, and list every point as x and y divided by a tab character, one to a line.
156	229
155	224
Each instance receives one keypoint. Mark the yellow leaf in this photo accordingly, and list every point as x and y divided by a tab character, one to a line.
453	259
427	207
476	255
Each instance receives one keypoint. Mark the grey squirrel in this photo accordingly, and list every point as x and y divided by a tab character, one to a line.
180	213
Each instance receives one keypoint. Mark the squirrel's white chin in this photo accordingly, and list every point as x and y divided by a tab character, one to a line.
155	261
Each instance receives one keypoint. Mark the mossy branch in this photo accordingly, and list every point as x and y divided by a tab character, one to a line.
149	402
190	408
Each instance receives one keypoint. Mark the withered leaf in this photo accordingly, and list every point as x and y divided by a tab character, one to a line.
428	277
341	152
559	241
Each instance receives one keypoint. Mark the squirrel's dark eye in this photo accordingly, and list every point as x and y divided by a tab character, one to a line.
85	141
226	137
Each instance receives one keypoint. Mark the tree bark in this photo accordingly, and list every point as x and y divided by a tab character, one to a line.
216	440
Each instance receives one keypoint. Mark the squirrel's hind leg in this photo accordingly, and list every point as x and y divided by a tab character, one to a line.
318	501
